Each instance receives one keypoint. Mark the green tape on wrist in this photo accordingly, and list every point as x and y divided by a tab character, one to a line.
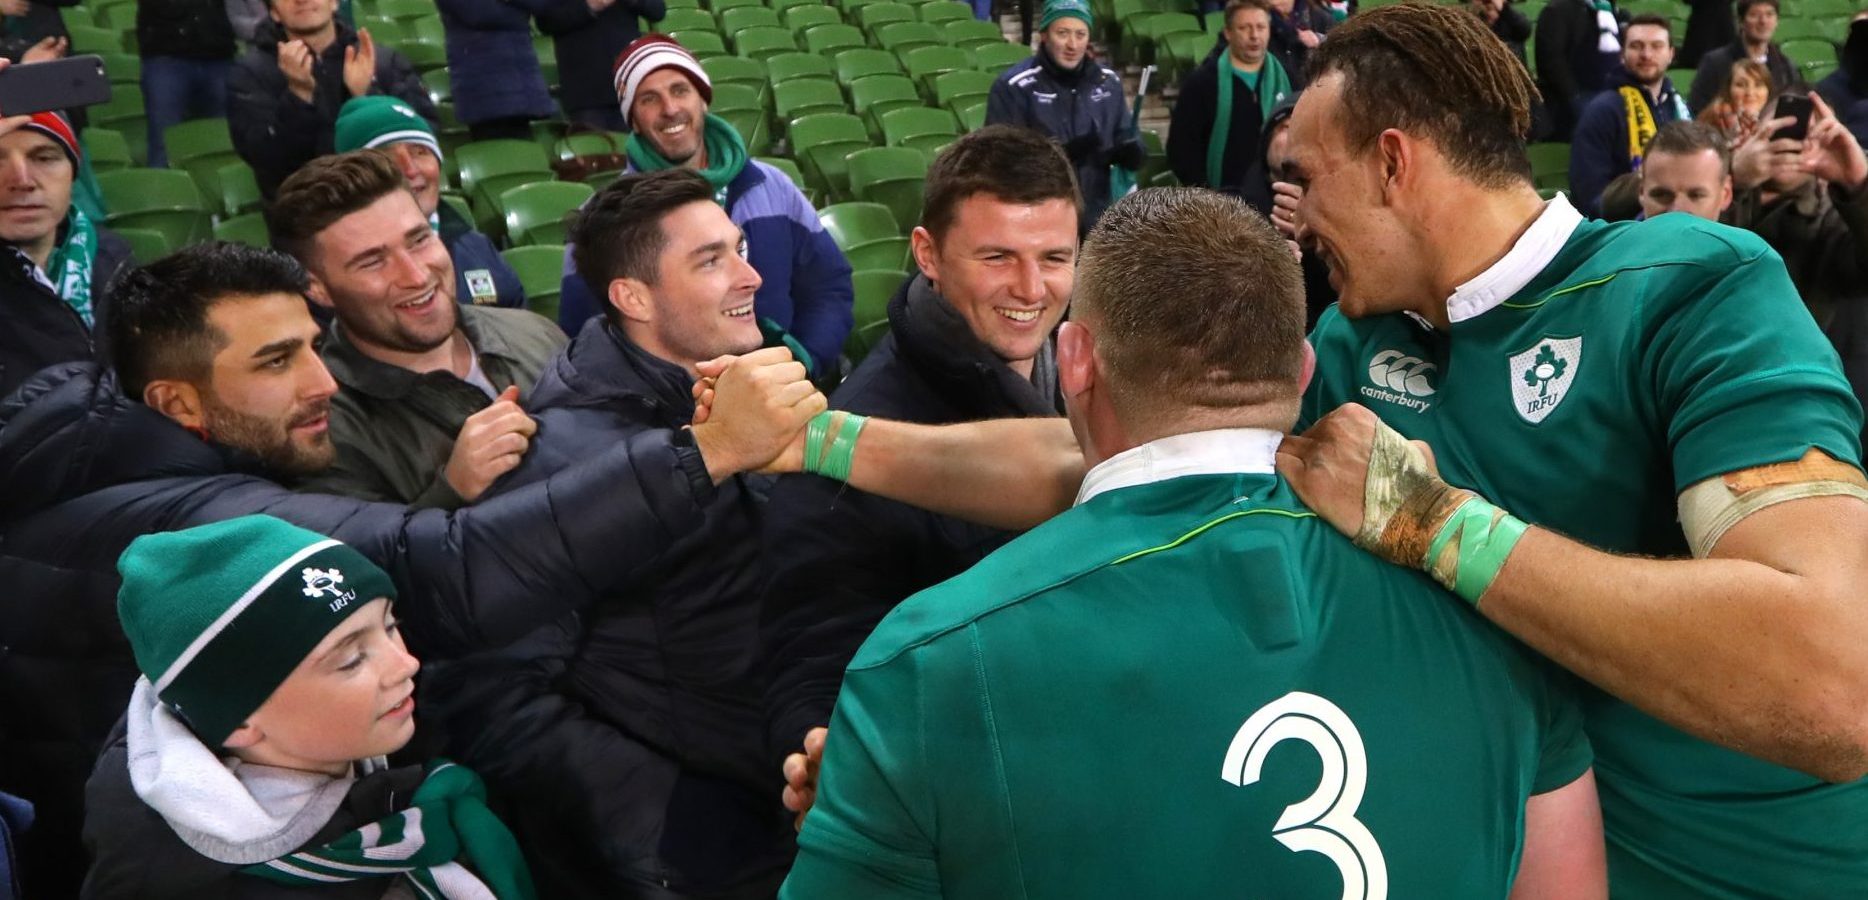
814	433
1481	536
842	454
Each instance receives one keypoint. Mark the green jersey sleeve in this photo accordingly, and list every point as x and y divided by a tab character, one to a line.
1566	753
1331	342
868	834
1744	376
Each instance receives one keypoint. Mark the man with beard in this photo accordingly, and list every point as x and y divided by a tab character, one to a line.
804	294
428	412
1614	130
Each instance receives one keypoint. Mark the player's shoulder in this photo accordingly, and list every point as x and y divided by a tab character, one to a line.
1686	244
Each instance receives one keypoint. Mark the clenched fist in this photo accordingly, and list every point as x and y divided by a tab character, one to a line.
755	418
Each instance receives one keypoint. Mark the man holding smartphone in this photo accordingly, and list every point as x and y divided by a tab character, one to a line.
52	282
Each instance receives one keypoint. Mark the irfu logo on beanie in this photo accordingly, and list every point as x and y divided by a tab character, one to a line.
220	615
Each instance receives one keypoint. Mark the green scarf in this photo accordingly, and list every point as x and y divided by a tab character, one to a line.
726	155
1273	85
69	267
448	820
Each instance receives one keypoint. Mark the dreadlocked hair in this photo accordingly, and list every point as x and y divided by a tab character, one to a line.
1438	73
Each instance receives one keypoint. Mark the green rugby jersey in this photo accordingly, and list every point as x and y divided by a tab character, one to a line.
1638	359
1187	686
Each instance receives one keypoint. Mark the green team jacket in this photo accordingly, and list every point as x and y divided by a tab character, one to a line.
1185	688
1640	359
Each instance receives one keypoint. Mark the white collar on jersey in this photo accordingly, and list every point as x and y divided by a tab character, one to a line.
1226	451
1528	257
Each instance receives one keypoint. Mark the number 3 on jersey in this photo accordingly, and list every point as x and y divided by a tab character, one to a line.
1325	822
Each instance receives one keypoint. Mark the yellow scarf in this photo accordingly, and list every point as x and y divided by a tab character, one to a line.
1640	124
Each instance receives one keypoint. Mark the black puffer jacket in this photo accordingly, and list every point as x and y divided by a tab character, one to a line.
275	132
187	29
37	327
627	745
83	471
843	558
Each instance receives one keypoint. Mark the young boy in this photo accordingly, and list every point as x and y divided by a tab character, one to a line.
251	760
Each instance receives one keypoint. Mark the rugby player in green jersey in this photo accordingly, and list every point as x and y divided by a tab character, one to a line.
1654	400
1051	723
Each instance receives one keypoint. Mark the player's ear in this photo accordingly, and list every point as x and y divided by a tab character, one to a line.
1076	359
1309	369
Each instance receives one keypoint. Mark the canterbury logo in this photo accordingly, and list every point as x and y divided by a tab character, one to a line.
1397	371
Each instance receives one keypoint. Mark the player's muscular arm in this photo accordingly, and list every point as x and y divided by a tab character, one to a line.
1564	857
1761	647
1004	473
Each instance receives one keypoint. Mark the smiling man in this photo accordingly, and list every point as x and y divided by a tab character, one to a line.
1615	128
630	739
428	413
53	284
969	339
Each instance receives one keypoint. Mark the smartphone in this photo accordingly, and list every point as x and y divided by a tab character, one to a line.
54	84
1794	105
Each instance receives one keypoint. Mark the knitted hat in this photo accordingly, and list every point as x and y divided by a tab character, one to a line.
651	53
379	120
57	127
1058	9
219	615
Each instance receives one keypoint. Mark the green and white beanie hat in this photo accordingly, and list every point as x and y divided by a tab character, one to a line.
378	120
219	615
1058	9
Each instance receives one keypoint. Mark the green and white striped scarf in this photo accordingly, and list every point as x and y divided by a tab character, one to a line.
68	269
448	823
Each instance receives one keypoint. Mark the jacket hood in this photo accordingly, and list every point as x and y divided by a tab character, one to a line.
602	367
68	431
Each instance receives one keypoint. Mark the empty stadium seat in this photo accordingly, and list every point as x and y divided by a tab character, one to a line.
535	212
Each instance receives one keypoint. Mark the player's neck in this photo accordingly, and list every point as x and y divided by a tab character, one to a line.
1470	233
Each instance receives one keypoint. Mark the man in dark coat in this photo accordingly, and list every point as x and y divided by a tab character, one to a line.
1255	83
1578	54
1846	88
221	393
58	264
187	48
588	36
285	93
1757	25
966	342
498	87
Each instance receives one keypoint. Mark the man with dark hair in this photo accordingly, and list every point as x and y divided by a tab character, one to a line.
222	395
1214	139
1189	613
628	740
1711	586
1688	169
428	413
969	339
805	294
1616	126
59	262
1578	53
285	92
1757	24
1846	89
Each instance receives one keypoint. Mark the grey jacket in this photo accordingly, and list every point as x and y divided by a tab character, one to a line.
394	428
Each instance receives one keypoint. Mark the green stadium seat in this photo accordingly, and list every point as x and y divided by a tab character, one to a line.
754	128
405	9
383	30
970	32
440	87
1827	9
123	113
874	289
720	6
863	62
820	144
488	169
871	97
425	57
146	245
972	115
740	18
891	176
116	16
825	40
925	63
239	189
867	233
804	18
535	213
961	85
903	37
940	12
197	138
162	200
1550	163
743	105
784	6
1791	30
703	44
722	70
541	273
806	96
1180	53
249	229
123	68
996	58
790	169
920	127
106	149
1814	72
90	39
876	15
764	43
789	66
1682	80
78	15
686	20
1805	51
427	30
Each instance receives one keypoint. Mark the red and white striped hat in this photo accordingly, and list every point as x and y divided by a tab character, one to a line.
650	53
58	128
